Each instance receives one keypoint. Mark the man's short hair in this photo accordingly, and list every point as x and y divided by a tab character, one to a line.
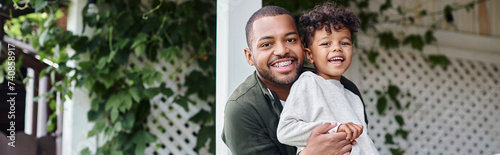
327	15
263	12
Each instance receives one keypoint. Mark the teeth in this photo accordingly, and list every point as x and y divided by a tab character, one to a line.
337	58
282	64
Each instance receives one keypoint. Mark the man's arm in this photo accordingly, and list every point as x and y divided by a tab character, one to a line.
243	132
321	143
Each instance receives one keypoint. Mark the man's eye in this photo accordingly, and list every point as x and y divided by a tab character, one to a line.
325	44
265	45
290	40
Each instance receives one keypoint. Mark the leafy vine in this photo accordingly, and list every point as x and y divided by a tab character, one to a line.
181	33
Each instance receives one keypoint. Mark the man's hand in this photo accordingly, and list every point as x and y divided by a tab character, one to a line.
352	130
320	143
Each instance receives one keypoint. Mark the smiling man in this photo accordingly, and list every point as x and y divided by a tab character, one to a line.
252	112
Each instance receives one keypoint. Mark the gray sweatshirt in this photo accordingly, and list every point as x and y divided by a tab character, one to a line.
314	101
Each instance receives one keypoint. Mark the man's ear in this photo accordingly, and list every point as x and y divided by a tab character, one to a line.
248	56
309	55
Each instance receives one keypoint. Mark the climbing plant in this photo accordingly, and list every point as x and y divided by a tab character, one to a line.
181	33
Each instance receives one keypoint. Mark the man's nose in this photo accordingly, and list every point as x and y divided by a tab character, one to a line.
280	49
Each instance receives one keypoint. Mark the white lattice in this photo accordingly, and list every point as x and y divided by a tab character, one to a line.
453	111
169	121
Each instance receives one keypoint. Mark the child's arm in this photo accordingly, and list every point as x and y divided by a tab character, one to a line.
352	130
293	131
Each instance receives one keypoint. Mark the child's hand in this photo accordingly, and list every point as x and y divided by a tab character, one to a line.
353	130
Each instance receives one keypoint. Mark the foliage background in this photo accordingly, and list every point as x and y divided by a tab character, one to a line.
179	32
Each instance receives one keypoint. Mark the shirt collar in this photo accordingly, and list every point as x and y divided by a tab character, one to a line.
270	95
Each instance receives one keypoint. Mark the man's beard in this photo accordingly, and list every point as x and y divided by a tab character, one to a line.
284	80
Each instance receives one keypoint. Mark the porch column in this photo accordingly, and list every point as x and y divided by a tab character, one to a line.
232	68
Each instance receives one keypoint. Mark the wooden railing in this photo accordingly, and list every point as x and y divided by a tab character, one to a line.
40	108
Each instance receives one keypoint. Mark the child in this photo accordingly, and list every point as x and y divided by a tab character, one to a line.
320	98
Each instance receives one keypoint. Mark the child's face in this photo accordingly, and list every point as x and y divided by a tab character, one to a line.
331	53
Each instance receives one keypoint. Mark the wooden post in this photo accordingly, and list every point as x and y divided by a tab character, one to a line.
482	18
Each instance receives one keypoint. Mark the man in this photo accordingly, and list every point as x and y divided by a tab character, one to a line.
252	112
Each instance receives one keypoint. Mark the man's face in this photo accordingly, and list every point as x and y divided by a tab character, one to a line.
277	51
331	53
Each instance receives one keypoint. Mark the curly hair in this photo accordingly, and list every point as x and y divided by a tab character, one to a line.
327	15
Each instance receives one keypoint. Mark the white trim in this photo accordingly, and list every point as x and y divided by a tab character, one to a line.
450	43
232	68
42	116
75	124
30	89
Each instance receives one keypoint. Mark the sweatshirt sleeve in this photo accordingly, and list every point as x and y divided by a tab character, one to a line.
295	126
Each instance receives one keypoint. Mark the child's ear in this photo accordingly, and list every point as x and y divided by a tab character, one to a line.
248	56
309	55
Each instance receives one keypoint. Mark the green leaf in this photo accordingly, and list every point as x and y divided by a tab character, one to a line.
182	101
170	53
151	92
205	134
372	57
387	40
53	104
447	10
201	117
397	151
134	92
385	6
393	92
93	115
40	4
381	105
43	37
139	44
101	63
148	137
440	60
129	121
429	37
139	49
411	19
114	114
368	20
416	42
166	91
423	12
388	139
127	102
85	151
113	102
402	133
117	126
122	43
408	104
89	82
139	148
470	6
399	120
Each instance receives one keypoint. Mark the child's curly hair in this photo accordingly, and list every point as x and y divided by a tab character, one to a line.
325	15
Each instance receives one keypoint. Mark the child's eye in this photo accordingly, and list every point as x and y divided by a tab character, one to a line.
265	45
325	44
346	43
290	40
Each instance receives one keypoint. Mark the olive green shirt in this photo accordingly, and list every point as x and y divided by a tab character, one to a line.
251	119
